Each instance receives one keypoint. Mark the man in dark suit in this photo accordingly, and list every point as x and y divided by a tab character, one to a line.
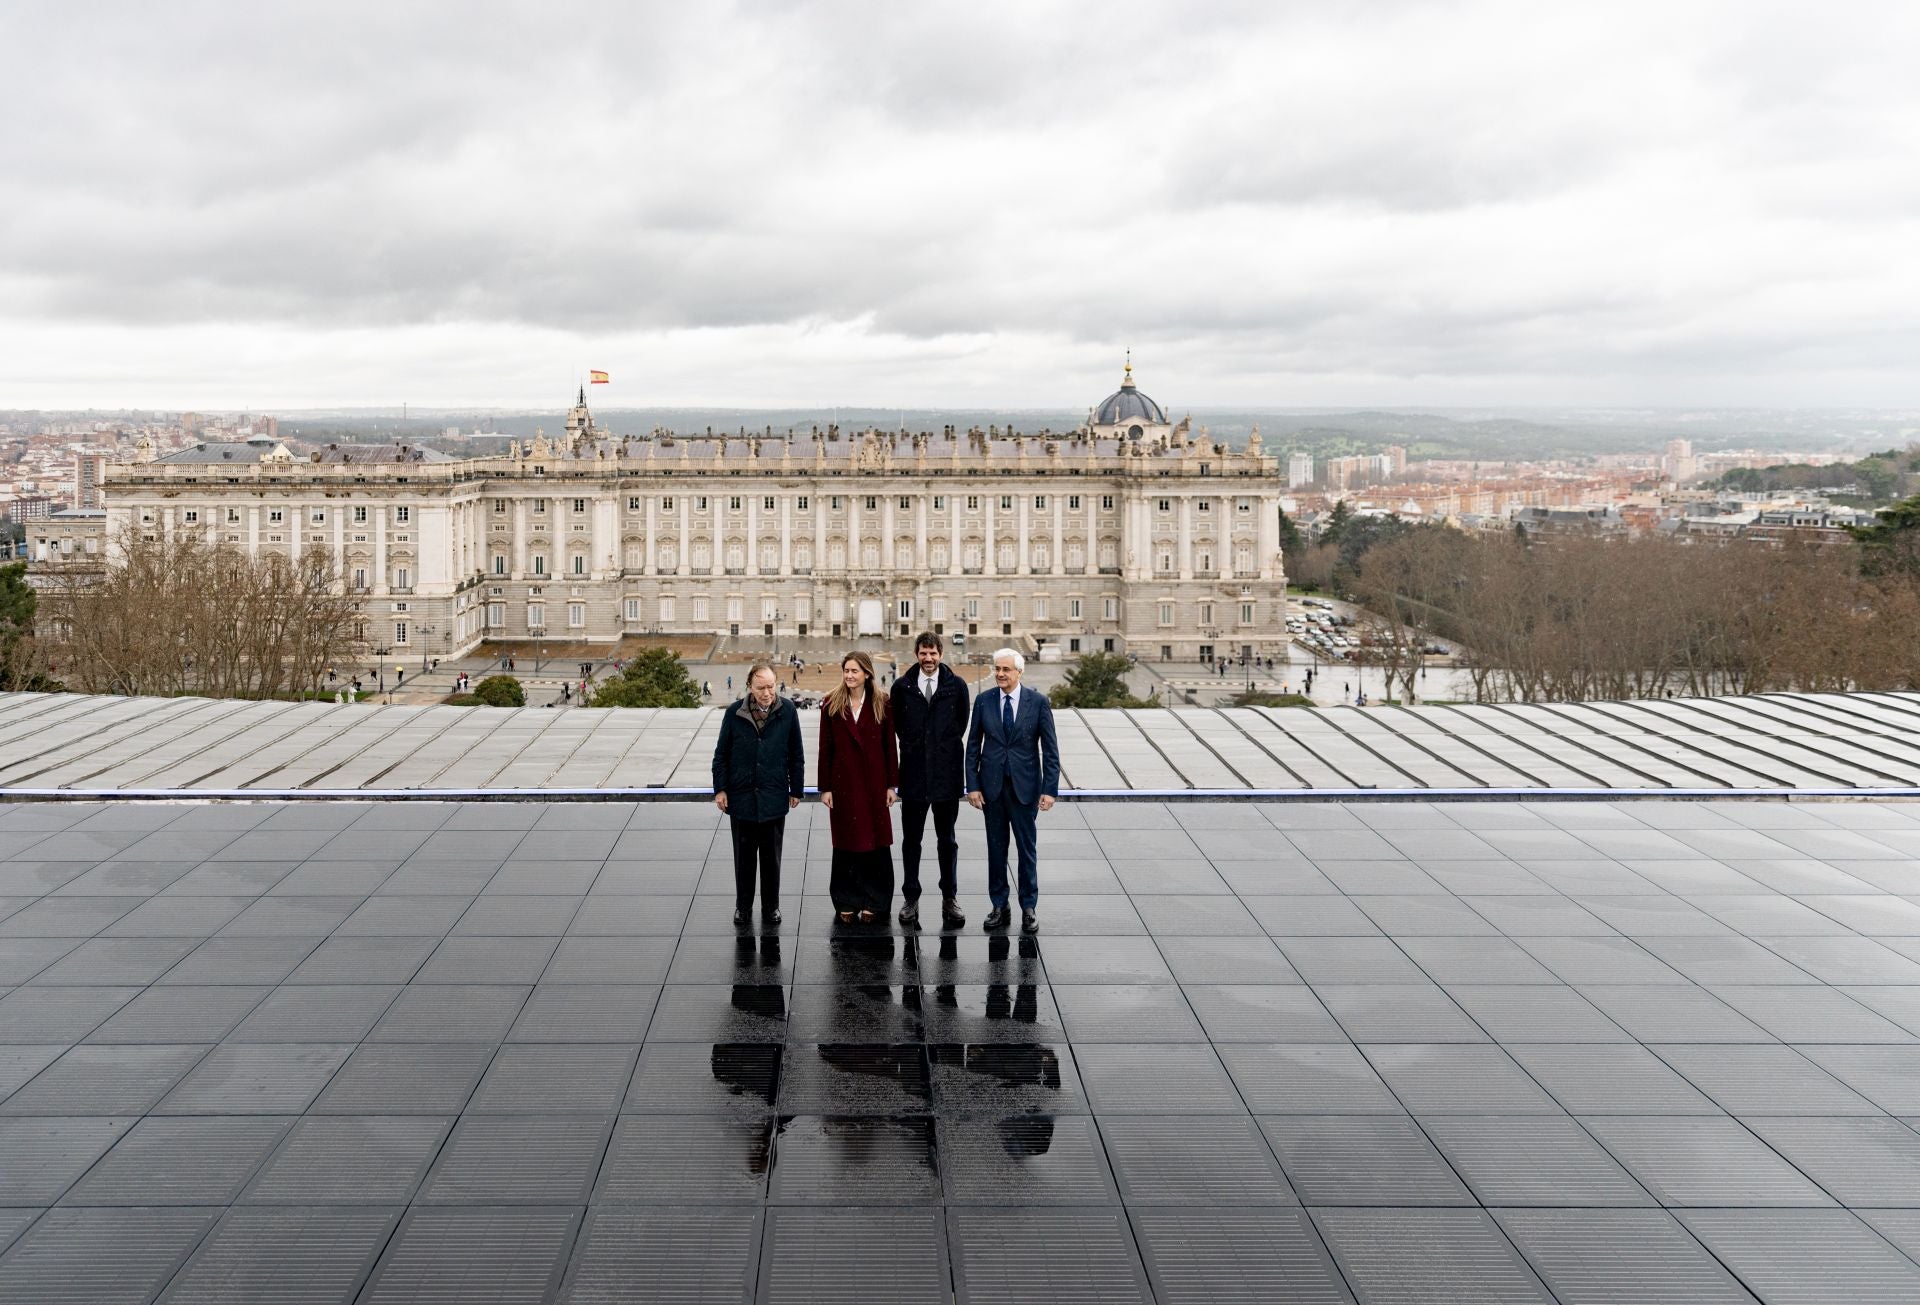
1013	774
930	707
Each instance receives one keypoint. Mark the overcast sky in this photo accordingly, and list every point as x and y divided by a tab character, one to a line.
279	206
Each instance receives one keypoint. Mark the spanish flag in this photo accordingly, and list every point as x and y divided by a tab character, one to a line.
597	378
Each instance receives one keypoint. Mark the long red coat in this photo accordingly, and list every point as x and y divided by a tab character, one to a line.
859	762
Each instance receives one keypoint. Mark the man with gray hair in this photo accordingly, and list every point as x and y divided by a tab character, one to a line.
1013	774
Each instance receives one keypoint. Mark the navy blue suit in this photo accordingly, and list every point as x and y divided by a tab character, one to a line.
1012	769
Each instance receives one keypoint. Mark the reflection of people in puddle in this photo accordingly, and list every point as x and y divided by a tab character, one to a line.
762	953
1017	1064
749	1069
768	1000
1024	1008
1030	1136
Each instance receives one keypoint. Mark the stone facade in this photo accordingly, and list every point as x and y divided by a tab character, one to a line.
1147	541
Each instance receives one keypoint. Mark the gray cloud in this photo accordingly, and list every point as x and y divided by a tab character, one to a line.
777	202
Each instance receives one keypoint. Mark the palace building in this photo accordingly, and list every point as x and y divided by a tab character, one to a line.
1131	534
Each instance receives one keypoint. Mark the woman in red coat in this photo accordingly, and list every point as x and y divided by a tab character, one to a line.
859	777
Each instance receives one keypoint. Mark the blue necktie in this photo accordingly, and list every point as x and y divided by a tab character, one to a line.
1006	715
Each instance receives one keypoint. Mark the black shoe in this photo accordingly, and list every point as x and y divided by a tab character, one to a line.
770	918
1029	924
740	917
910	914
951	916
997	918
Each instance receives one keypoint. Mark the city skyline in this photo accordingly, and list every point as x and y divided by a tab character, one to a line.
1398	205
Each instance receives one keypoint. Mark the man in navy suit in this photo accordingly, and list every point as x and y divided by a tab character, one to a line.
1013	774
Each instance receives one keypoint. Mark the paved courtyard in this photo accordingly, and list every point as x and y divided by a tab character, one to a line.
1640	1051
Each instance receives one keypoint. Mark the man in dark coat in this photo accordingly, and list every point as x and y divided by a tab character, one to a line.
759	774
1013	774
930	712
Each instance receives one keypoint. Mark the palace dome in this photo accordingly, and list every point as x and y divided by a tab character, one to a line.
1128	404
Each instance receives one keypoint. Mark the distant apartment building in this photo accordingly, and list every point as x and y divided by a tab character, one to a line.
1129	534
1299	470
31	507
89	471
1679	465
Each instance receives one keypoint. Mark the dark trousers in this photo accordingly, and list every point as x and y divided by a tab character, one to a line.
756	845
913	823
1006	815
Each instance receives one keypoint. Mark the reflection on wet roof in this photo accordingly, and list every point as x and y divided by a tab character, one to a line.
1802	742
1422	1050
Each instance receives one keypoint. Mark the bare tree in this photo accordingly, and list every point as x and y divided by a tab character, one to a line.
179	614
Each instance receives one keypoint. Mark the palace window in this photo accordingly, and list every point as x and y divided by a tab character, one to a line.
973	609
666	611
906	609
633	610
496	616
359	515
579	505
1039	609
1039	502
666	503
500	507
906	504
1246	613
1203	505
499	563
800	504
700	610
873	503
576	615
1111	609
399	631
1073	609
1073	502
539	507
1006	502
700	503
973	502
1206	613
1166	613
733	503
536	616
192	516
1166	505
1106	502
633	503
579	564
317	517
766	504
402	515
636	555
276	516
1244	505
939	502
833	503
402	577
539	564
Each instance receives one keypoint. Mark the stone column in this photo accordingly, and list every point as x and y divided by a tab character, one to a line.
520	540
683	553
991	562
253	530
753	534
953	534
379	514
649	564
920	536
1059	545
819	535
886	532
1186	537
1023	558
786	534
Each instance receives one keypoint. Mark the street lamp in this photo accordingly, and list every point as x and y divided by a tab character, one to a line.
426	634
380	684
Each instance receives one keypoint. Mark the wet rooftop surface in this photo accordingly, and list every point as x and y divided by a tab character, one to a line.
1641	1051
1781	742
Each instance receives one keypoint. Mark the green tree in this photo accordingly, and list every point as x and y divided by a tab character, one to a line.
500	691
17	604
1335	528
1292	543
1891	546
655	678
1100	680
